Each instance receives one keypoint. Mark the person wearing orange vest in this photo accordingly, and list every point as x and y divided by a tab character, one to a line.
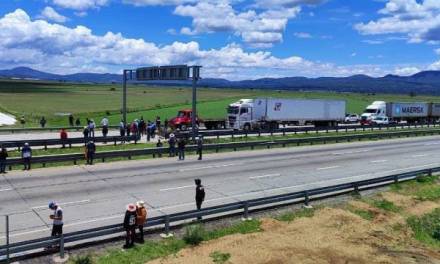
141	218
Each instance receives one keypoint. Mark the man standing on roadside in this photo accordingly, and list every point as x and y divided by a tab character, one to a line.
130	225
26	155
63	137
199	142
71	120
3	156
200	195
181	148
57	217
43	122
141	218
104	124
172	145
91	149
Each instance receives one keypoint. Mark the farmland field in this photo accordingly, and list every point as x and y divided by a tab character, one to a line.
53	100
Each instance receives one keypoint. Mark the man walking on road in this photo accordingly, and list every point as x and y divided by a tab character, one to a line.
3	156
200	195
26	155
130	225
57	217
91	149
141	218
199	142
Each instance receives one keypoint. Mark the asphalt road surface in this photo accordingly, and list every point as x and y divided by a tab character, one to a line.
96	195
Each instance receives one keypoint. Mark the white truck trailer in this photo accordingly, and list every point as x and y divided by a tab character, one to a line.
271	112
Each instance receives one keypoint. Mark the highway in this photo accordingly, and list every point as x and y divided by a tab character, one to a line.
96	195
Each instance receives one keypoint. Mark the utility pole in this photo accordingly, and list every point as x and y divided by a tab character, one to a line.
195	78
124	97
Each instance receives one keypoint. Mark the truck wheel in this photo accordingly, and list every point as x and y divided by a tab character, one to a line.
182	127
247	127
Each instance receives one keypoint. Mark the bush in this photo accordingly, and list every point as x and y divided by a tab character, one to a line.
219	257
113	89
87	259
194	235
427	227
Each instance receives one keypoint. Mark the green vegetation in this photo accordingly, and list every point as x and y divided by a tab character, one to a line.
194	235
426	228
424	188
219	257
52	99
386	205
290	216
365	214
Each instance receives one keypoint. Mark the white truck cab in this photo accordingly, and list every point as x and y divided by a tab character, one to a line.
376	109
240	114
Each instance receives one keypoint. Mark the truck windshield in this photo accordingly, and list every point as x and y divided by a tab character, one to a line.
371	111
233	110
181	114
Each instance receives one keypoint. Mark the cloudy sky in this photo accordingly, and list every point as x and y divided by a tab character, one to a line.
233	39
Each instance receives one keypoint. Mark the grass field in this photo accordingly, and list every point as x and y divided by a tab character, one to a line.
53	99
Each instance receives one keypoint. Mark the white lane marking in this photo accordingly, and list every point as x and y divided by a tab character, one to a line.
6	190
95	220
27	233
351	152
210	167
68	203
420	155
434	143
176	188
328	168
265	176
378	161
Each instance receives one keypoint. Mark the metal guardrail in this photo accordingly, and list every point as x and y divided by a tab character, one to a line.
69	142
217	147
290	130
49	129
224	210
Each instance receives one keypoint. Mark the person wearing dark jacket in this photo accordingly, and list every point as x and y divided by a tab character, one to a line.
86	133
130	225
200	195
71	120
91	149
43	122
181	147
199	142
26	155
172	145
3	156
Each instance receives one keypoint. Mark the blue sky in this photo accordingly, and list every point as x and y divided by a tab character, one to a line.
233	39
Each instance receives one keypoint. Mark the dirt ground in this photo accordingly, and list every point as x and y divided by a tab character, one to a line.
332	235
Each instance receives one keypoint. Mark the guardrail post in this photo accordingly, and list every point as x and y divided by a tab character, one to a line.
167	233
246	212
306	200
356	189
430	172
396	179
62	246
7	238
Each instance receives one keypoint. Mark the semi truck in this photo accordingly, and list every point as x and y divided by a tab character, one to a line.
411	112
257	113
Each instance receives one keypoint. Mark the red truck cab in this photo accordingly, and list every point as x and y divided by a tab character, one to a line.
182	120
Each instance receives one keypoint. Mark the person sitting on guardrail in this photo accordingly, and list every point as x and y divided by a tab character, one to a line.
57	217
200	195
63	137
141	219
130	225
172	144
43	122
181	148
91	149
3	156
26	155
199	142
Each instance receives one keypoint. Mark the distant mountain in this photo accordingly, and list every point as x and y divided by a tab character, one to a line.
427	82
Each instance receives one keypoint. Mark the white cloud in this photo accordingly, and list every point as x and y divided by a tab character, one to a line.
80	4
353	54
158	2
406	71
256	29
61	49
50	14
303	35
418	20
372	41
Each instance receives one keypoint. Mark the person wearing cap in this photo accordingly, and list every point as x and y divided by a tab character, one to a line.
130	225
3	156
200	195
57	217
26	155
172	144
199	143
91	149
141	218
